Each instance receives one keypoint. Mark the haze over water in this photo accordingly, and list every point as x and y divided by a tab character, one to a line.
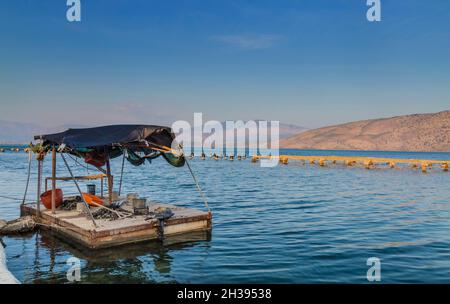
288	224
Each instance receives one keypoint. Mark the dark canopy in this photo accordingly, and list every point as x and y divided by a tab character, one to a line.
100	143
110	135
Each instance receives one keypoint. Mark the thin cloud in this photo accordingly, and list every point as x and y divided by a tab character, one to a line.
248	42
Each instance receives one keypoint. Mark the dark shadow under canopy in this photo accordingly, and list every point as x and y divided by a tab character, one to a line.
95	145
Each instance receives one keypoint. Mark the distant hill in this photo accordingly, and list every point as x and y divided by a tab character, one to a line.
23	133
288	130
419	132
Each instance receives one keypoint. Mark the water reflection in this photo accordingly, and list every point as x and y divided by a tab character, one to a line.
124	264
293	224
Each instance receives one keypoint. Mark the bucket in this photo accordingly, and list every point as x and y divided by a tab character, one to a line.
46	198
91	189
132	196
139	203
140	206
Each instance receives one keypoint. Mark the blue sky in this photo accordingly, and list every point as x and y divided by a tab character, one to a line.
310	62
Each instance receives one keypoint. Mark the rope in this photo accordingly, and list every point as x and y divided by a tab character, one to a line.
11	198
198	186
78	163
83	166
79	190
28	178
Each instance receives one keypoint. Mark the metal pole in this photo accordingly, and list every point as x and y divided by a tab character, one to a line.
28	178
121	174
101	186
53	179
110	182
79	190
39	177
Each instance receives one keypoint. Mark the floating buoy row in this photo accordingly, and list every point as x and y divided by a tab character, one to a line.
367	162
220	157
26	150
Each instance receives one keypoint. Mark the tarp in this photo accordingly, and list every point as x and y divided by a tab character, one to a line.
95	144
110	135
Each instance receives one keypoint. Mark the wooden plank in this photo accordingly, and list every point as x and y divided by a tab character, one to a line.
53	179
86	177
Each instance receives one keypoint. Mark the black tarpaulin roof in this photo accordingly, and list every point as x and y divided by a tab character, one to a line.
97	144
110	135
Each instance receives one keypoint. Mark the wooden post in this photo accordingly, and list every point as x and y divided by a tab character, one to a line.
53	179
110	181
101	187
39	182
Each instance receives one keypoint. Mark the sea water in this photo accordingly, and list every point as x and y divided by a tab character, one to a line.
289	224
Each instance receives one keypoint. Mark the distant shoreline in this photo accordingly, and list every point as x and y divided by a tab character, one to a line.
7	147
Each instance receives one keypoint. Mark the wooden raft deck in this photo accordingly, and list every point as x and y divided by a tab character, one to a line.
76	227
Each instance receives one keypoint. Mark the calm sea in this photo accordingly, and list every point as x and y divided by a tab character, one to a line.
288	224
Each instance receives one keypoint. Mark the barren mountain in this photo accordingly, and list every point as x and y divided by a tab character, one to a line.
419	132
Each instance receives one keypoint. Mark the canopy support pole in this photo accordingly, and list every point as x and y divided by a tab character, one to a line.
53	179
110	181
79	190
28	177
121	174
39	182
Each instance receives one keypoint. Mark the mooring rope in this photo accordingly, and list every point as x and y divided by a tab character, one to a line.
78	163
28	178
198	186
16	199
79	190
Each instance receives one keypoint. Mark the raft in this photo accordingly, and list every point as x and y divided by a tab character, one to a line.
75	228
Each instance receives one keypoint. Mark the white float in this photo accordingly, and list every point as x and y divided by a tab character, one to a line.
6	277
